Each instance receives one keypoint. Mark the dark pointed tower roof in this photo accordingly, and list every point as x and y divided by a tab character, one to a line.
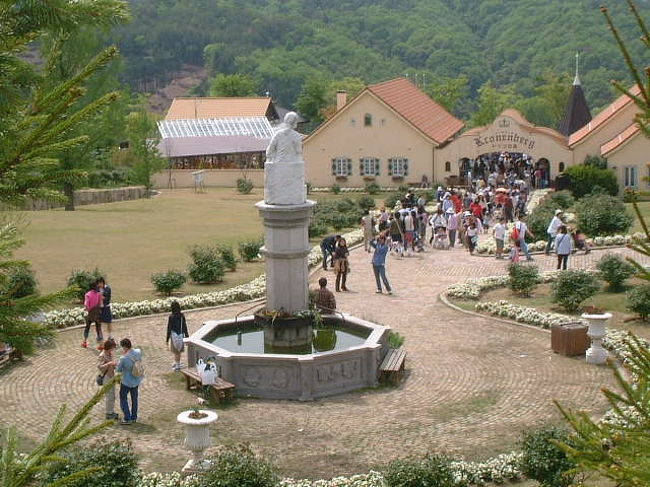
577	113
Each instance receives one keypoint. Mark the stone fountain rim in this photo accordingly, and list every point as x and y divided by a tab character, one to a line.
184	418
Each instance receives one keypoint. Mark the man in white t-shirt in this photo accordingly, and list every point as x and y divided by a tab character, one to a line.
522	228
367	224
499	233
552	229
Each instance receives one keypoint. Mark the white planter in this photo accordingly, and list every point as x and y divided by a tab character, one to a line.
197	438
597	330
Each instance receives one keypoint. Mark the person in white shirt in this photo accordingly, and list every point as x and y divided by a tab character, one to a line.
563	247
367	225
499	233
552	229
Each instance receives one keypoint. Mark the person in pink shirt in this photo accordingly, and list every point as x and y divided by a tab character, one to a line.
93	306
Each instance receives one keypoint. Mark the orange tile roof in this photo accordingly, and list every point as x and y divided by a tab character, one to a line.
604	115
620	139
418	109
192	108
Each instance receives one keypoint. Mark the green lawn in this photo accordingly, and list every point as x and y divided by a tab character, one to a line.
131	240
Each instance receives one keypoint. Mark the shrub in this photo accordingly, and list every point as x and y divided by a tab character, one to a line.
168	282
117	461
614	270
638	300
601	214
430	471
338	221
346	205
336	189
395	340
21	281
227	255
391	200
366	202
373	188
403	189
523	278
83	279
585	178
250	249
317	229
206	267
239	467
539	219
245	185
560	199
544	461
572	287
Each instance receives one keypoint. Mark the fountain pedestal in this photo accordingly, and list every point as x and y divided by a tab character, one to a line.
286	248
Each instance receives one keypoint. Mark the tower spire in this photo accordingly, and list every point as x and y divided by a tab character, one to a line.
576	80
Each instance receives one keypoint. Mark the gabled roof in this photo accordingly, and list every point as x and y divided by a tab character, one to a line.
576	114
202	108
619	140
603	116
418	109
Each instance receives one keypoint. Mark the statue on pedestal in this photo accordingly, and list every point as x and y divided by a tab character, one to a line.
284	171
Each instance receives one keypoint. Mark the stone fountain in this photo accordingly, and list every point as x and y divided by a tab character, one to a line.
276	353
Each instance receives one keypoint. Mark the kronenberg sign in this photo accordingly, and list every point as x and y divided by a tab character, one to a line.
504	138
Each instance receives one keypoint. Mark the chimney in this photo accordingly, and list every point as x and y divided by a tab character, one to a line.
341	99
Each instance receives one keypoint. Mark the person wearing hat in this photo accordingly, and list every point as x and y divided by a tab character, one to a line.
551	231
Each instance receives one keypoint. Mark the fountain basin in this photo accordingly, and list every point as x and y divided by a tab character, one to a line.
343	357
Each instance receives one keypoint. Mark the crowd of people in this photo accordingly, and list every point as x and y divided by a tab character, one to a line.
493	204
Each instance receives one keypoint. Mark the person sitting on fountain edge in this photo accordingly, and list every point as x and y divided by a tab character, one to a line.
324	299
328	246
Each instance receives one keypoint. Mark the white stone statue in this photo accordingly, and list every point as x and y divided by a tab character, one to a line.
284	170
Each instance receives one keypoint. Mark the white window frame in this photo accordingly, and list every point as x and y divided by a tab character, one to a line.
630	177
398	166
369	166
341	166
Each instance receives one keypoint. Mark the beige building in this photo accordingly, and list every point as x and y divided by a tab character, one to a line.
387	134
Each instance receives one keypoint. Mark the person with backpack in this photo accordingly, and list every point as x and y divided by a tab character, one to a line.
518	234
563	247
132	370
176	331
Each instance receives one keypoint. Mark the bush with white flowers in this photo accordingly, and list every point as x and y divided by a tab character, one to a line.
173	479
244	292
371	479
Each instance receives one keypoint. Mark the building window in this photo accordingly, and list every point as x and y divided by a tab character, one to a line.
367	120
447	166
353	122
341	166
630	180
369	166
561	167
398	167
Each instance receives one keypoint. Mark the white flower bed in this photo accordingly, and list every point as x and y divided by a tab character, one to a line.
502	468
371	479
473	288
522	314
173	479
244	292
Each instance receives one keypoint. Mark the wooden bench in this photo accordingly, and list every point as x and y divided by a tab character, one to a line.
392	367
13	354
221	390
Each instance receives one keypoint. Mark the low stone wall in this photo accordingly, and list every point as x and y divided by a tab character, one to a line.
225	178
84	197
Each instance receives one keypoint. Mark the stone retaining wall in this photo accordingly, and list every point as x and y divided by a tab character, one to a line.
84	197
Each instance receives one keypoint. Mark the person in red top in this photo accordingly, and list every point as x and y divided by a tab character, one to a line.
93	305
458	204
476	209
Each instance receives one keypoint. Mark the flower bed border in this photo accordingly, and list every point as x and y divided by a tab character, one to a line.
251	290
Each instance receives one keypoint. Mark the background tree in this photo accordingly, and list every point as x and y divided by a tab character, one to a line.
142	131
233	85
313	99
37	118
491	102
451	93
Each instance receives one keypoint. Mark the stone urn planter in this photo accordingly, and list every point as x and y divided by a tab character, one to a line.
596	354
197	436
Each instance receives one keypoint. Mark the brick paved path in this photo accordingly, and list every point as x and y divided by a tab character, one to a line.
472	384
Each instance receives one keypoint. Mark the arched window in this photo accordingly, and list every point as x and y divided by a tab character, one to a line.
447	166
367	120
561	167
